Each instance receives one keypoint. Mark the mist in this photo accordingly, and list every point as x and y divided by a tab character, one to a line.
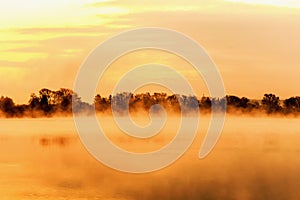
255	158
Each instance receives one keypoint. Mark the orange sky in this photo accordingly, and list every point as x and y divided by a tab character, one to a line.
255	44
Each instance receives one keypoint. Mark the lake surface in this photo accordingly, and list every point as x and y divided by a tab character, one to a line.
255	158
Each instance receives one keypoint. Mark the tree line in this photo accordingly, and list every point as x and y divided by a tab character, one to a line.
51	103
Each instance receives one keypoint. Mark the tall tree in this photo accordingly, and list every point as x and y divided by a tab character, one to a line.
271	103
7	106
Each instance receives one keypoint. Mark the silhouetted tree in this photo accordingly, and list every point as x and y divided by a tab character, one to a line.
292	104
253	105
237	102
173	102
147	101
120	102
63	99
44	104
188	103
233	101
19	110
34	101
244	102
7	106
101	104
205	102
48	103
219	104
271	103
47	95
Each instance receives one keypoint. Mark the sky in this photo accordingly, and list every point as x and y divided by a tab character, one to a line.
254	43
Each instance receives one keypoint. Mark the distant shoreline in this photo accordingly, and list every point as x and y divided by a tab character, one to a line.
64	102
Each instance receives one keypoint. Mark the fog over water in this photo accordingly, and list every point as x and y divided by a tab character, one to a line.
255	158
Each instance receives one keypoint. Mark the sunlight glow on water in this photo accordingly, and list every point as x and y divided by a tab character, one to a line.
256	158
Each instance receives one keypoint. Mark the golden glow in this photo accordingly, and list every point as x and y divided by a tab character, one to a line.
20	57
137	58
280	3
10	72
48	152
246	38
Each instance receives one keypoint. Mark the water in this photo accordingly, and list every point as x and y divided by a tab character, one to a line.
255	158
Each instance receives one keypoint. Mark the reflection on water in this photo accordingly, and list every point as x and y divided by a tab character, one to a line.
59	141
256	158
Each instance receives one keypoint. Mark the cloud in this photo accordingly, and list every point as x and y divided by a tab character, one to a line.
242	38
143	6
278	3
